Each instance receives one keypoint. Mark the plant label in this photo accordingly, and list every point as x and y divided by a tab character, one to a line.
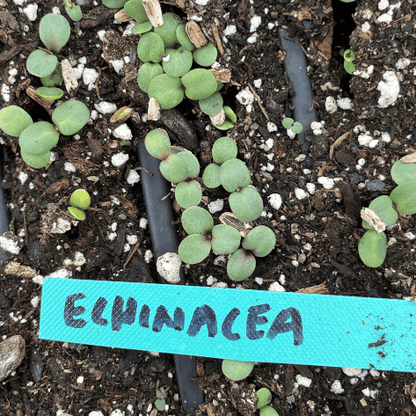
244	325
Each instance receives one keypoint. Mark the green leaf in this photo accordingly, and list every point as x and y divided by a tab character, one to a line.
146	73
403	172
41	63
260	240
50	93
205	55
54	31
141	28
224	149
188	194
52	79
241	265
226	125
211	176
383	206
183	38
180	62
349	55
80	199
194	248
234	174
297	127
236	370
114	4
150	48
79	214
211	105
173	169
372	248
349	67
268	411
199	84
288	122
191	162
37	161
225	239
70	117
196	220
247	204
135	9
13	120
167	90
168	30
229	114
264	397
158	144
74	12
38	138
404	197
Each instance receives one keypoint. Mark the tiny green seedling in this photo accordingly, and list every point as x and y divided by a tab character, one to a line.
290	124
349	57
80	200
237	370
160	401
74	11
264	397
268	411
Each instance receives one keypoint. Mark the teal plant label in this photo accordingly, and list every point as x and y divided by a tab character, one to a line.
245	325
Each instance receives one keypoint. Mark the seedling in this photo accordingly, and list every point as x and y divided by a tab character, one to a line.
264	397
290	124
160	401
236	370
229	119
246	204
37	139
135	9
349	57
268	411
372	248
205	55
383	207
80	200
404	197
74	11
403	172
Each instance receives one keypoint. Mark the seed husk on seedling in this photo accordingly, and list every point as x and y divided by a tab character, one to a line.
372	248
246	204
264	397
383	206
211	105
230	119
234	174
349	57
241	265
236	370
74	11
54	32
158	144
224	149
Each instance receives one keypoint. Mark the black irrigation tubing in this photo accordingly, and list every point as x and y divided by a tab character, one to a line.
304	112
164	239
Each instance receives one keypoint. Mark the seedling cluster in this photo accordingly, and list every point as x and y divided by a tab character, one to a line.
290	124
182	168
384	211
173	66
79	201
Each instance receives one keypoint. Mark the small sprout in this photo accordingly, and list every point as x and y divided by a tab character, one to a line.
150	48
50	93
196	220
183	38
234	174
199	84
191	163
246	204
260	240
135	9
383	207
403	172
146	73
211	105
211	176
224	149
114	4
241	265
70	117
206	55
349	57
290	124
229	114
74	11
168	30
80	200
167	90
13	120
180	62
158	144
188	194
225	239
236	370
372	248
268	411
264	397
404	197
230	119
160	401
54	31
173	169
41	63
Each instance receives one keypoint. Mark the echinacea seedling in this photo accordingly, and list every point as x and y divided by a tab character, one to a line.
135	9
80	200
178	62
241	265
167	90
183	38
114	4
403	172
236	370
173	168
54	32
74	11
205	55
160	401
290	124
158	144
372	248
246	204
199	84
211	105
13	120
150	48
188	193
268	411
234	174
146	73
383	207
404	198
349	57
260	240
264	397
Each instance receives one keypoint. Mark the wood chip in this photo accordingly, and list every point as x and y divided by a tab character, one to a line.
217	38
195	34
218	119
153	111
373	219
409	158
318	289
222	74
154	12
32	93
16	269
68	75
338	142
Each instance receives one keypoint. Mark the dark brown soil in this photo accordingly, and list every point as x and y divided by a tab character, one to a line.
317	236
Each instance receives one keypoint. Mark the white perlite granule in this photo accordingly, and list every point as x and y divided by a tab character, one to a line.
168	266
119	159
275	201
389	89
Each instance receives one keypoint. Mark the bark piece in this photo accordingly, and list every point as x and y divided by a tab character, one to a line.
195	34
12	352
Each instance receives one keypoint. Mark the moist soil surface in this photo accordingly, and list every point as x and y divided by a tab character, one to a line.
317	226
